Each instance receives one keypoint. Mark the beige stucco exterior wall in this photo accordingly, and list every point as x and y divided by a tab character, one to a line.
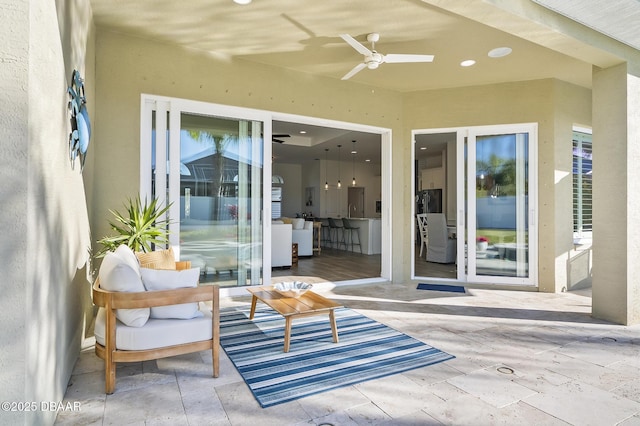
556	106
45	218
616	205
14	57
128	67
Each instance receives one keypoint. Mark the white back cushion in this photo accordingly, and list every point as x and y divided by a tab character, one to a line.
120	272
162	279
297	223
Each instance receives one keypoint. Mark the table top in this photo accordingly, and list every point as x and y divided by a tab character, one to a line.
307	303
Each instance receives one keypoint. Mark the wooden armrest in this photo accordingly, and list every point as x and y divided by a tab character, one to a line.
147	299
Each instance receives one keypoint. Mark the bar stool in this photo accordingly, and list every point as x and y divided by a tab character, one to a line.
348	228
325	232
334	230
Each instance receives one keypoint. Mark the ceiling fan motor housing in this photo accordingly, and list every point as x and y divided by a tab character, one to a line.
374	60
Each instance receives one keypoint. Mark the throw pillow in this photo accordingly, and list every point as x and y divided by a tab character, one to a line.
162	279
119	271
159	259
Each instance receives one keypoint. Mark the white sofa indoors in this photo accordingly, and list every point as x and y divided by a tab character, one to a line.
280	244
302	234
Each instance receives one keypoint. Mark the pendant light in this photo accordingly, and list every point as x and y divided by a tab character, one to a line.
353	162
326	160
339	159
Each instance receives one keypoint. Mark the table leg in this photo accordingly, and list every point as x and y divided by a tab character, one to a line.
254	301
287	333
334	326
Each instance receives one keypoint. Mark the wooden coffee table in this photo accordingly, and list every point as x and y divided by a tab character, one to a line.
308	304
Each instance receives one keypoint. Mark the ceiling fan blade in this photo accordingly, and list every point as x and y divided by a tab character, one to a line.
276	140
400	58
354	71
356	44
283	135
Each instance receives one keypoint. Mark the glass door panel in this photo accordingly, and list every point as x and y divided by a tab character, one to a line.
221	198
499	211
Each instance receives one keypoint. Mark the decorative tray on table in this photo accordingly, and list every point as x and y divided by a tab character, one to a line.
292	288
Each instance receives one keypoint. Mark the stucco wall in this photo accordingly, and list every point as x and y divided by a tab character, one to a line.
45	218
14	60
128	67
556	106
616	205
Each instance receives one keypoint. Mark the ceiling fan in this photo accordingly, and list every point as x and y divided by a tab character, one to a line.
276	138
373	59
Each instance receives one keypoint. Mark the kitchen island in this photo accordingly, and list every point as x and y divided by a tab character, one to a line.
370	231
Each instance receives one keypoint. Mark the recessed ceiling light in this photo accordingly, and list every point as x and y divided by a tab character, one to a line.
243	2
367	160
302	132
499	52
354	152
467	63
423	148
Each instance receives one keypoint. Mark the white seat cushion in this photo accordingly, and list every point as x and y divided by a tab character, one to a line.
120	271
156	333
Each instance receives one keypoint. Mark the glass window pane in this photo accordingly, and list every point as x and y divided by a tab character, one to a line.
221	198
502	205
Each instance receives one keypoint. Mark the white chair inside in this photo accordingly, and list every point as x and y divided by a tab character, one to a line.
440	248
423	231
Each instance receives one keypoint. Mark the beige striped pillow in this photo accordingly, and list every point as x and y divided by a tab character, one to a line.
159	259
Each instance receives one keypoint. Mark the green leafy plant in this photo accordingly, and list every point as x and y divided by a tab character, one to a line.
140	228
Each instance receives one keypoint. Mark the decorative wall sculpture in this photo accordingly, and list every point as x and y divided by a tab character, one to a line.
80	124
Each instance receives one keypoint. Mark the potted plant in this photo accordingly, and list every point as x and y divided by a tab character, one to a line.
142	227
482	243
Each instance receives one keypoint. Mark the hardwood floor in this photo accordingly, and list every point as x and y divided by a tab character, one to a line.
431	269
332	265
337	265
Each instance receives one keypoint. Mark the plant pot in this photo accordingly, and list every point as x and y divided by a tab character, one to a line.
482	246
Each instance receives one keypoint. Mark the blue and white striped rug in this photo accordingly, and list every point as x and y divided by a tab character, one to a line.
367	350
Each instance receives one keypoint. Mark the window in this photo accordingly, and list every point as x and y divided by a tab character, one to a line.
582	185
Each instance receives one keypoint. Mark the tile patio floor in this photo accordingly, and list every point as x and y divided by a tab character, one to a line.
521	359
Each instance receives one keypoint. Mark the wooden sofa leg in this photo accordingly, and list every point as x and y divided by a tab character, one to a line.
110	377
215	330
110	346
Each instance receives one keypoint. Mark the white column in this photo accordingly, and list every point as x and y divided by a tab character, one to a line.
616	195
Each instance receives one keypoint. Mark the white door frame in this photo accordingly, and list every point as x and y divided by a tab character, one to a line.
462	135
177	105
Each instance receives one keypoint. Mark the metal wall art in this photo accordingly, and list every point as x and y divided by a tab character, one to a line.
80	124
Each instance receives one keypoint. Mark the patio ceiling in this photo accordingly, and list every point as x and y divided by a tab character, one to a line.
303	35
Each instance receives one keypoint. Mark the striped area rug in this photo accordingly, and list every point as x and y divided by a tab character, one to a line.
367	350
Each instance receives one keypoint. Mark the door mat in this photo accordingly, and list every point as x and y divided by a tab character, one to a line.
442	287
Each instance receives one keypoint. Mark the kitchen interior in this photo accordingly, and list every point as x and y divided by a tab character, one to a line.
320	173
435	192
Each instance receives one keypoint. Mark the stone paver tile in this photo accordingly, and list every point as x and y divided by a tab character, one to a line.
333	401
243	410
492	387
582	404
161	401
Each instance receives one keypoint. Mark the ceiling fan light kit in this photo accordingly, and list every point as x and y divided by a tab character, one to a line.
373	59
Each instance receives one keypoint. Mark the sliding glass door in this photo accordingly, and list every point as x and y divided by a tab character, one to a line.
213	162
482	182
500	198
